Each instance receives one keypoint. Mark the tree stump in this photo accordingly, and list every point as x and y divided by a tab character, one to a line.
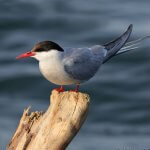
54	129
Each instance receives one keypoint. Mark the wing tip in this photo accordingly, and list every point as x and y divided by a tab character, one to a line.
130	28
114	46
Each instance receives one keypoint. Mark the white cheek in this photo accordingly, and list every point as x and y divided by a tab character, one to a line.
40	55
46	55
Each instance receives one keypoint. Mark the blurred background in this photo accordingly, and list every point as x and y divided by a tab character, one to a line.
119	115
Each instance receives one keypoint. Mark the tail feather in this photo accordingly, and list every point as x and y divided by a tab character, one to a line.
133	45
114	46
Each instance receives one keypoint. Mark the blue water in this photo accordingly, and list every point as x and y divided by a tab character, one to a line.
119	115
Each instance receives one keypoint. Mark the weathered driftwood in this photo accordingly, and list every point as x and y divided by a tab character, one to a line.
54	129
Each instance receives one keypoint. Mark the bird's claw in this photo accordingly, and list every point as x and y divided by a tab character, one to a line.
76	90
60	89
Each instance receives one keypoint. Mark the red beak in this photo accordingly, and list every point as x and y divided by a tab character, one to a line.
27	54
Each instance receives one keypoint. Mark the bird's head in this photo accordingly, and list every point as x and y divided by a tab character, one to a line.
43	50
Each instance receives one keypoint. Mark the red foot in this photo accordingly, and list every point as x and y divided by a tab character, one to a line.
76	90
60	89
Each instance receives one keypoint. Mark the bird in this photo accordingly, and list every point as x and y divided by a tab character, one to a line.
68	65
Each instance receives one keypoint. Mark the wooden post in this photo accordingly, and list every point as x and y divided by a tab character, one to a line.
54	129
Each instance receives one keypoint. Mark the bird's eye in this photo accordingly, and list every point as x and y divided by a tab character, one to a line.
39	50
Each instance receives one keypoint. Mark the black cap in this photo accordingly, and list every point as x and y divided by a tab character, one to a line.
46	46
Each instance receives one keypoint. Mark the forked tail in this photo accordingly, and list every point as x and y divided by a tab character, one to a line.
133	45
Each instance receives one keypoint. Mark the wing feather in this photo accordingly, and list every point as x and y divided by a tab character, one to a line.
81	64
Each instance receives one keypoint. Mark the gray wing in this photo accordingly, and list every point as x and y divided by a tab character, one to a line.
83	63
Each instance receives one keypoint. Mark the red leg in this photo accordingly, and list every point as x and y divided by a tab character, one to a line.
77	88
60	89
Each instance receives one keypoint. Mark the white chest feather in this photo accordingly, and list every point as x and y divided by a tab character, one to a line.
53	70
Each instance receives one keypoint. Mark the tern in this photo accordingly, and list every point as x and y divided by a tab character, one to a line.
66	66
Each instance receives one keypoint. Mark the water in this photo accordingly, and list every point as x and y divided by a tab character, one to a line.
120	98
